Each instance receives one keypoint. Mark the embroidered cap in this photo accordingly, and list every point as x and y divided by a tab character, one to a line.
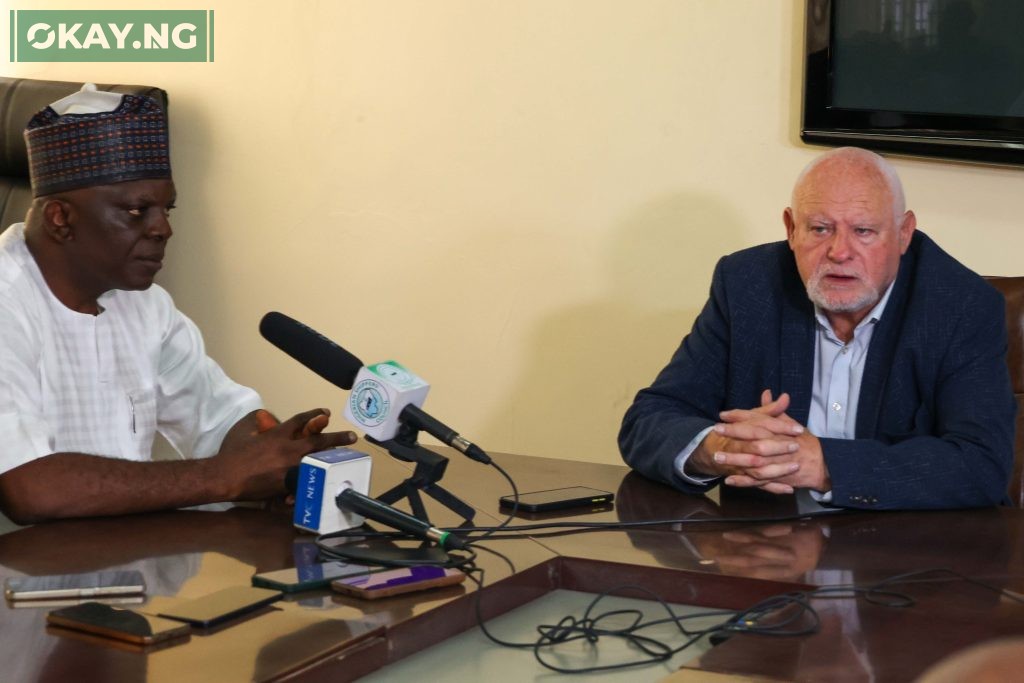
96	138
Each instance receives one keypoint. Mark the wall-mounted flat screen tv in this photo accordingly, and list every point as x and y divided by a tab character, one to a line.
938	78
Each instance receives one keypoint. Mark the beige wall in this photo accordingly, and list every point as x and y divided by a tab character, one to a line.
520	200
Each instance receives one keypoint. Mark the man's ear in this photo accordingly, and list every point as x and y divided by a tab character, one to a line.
906	230
787	219
57	218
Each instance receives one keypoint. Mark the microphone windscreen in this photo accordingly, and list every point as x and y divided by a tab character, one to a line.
312	349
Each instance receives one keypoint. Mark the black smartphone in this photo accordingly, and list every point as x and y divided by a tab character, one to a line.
559	499
397	581
70	586
222	605
113	622
308	577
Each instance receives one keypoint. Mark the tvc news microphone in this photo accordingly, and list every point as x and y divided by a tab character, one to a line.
330	495
371	508
384	395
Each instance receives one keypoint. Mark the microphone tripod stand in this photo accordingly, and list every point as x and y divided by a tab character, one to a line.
430	467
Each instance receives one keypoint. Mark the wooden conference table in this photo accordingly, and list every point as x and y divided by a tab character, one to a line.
326	636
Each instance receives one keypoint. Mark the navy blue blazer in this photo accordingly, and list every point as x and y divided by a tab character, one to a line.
935	418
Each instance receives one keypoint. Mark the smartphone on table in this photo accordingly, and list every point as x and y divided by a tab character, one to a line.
70	586
558	499
117	623
396	581
123	600
223	605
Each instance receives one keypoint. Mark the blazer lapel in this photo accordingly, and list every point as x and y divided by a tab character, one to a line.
882	351
796	345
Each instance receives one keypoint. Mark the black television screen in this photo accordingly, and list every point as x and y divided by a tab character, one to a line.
929	77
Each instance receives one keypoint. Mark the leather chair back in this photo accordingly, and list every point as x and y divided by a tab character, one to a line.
20	99
1013	290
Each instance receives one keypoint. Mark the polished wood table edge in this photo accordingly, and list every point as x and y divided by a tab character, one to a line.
682	586
460	615
388	644
352	659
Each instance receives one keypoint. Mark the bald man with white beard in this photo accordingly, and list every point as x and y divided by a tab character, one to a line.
856	359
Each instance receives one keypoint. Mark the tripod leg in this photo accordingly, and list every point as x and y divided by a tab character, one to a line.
416	503
411	490
394	494
450	501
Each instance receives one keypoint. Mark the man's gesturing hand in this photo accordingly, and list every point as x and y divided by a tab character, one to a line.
258	451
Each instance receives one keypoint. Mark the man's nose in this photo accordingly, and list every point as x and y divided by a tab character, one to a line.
839	247
160	227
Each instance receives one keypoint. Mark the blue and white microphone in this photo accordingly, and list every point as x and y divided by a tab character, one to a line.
322	477
380	393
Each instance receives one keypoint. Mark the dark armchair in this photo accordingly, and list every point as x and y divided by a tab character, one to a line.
1013	290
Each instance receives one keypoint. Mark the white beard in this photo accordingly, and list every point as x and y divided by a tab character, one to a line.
835	304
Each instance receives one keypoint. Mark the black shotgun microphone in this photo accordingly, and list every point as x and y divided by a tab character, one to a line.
312	349
341	368
352	500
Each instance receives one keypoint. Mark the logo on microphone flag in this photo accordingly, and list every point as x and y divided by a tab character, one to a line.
379	394
369	404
